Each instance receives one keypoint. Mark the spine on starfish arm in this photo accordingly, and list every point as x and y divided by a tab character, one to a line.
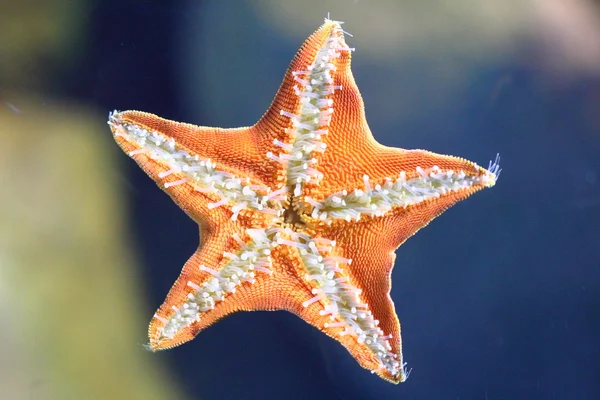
309	122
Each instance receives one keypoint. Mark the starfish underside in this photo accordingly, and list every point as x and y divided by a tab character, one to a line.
301	212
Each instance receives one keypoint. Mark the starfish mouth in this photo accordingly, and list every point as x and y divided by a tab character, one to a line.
292	215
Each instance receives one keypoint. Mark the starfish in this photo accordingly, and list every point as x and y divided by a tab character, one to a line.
300	212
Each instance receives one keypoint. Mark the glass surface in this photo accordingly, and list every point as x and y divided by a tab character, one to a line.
499	298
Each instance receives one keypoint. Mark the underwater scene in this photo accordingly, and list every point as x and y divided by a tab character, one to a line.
217	200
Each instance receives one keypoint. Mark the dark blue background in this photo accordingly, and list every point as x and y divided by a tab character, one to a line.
499	298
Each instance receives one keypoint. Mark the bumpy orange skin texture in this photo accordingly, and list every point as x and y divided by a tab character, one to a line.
351	153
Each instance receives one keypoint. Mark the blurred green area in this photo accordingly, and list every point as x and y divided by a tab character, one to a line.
70	298
38	33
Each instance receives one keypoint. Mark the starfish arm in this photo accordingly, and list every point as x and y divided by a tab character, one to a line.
298	120
380	349
234	269
200	168
306	73
347	144
347	268
403	178
175	321
232	150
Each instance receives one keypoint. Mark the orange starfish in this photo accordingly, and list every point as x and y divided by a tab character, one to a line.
300	212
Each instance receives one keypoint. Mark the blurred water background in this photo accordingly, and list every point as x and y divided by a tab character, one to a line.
499	298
